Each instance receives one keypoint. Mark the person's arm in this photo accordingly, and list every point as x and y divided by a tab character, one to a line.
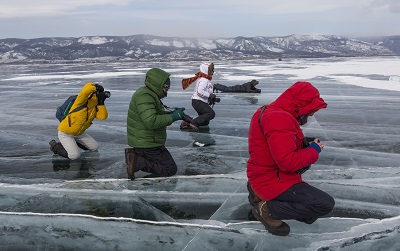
87	90
146	107
283	141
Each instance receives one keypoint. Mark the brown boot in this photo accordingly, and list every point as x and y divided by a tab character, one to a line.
252	197
129	161
185	125
275	227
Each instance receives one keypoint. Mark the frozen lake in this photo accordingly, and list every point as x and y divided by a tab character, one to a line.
49	203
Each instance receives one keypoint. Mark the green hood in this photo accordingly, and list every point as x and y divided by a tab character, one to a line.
155	79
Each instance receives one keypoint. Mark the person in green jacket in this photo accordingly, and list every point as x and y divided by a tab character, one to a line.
147	123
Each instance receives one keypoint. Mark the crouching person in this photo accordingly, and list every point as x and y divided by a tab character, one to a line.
147	123
88	105
279	156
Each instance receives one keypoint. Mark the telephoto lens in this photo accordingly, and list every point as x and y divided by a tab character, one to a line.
108	94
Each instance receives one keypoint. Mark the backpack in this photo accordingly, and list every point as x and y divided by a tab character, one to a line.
63	110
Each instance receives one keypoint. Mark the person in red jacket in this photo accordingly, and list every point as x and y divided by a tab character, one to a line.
279	154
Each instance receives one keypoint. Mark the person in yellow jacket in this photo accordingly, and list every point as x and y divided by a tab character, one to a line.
72	129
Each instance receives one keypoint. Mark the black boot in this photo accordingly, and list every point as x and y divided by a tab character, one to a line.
57	148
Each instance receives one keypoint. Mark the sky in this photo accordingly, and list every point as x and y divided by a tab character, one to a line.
198	19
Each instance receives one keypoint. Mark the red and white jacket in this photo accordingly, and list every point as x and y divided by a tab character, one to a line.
276	141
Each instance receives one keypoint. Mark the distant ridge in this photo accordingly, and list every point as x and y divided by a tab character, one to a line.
148	47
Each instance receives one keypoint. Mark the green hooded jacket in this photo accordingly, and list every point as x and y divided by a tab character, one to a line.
147	120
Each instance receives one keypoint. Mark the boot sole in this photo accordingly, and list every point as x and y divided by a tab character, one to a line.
282	230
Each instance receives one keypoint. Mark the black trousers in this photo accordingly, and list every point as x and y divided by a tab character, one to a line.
205	112
301	202
157	161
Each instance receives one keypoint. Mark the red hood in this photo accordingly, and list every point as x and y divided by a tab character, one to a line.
300	99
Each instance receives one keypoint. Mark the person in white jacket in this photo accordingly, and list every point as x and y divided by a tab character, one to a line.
203	97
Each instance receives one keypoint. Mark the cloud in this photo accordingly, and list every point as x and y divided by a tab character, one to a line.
206	18
40	8
392	5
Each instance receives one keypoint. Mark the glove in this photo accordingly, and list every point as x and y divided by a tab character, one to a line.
101	96
178	114
303	170
211	97
315	146
99	88
307	141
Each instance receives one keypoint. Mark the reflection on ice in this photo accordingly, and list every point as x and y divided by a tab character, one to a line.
49	203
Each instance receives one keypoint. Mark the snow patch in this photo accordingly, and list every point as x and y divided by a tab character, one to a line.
93	40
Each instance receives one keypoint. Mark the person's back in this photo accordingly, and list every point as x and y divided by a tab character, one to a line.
76	123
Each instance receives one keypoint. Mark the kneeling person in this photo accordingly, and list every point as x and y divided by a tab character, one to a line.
147	123
72	129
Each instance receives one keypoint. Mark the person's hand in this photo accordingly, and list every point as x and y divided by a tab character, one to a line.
99	88
212	97
178	114
321	145
317	145
101	96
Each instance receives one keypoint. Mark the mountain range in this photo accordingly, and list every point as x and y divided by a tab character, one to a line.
150	48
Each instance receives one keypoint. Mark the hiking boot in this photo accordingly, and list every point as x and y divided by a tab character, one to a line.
275	227
194	127
129	161
252	197
185	125
52	144
187	118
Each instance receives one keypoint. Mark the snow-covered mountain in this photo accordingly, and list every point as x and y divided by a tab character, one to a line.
147	47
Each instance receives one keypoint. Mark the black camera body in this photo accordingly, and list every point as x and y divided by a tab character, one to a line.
107	94
213	99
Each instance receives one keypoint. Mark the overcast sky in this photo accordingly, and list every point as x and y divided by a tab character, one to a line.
202	19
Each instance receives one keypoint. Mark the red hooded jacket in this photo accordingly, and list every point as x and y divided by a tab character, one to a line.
276	141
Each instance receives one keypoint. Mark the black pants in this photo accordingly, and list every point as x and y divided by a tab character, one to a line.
205	112
301	202
157	161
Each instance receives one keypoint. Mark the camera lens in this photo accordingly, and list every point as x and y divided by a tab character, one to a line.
107	93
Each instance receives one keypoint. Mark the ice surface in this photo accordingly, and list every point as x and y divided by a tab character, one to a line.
49	203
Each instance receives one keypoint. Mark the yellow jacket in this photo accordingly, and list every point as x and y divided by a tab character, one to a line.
77	122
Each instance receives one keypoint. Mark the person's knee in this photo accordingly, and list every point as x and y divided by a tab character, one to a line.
212	114
93	146
74	155
327	205
171	171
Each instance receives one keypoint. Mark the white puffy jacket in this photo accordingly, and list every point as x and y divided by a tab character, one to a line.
204	87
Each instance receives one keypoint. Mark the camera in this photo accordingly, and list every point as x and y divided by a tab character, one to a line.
107	94
213	99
